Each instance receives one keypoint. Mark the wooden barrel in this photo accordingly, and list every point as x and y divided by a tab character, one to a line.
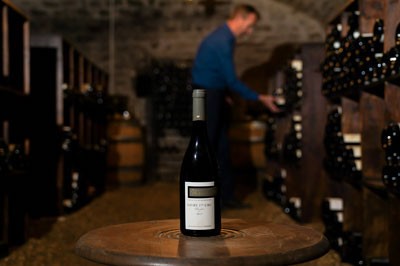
126	152
247	144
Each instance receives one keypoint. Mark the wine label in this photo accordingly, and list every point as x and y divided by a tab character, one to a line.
297	64
283	173
296	118
367	35
340	241
299	153
75	176
280	100
339	216
352	137
296	201
335	204
357	152
67	203
297	127
200	205
358	164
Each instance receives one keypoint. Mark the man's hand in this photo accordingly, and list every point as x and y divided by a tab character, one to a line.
269	102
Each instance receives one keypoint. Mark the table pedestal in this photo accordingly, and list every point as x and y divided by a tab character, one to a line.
240	243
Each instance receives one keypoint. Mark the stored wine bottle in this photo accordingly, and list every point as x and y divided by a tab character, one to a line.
200	210
392	56
4	153
390	140
332	217
378	41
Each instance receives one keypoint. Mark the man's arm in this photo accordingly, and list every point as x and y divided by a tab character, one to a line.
236	85
229	73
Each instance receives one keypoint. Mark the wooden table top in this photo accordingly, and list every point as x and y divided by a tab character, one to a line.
240	243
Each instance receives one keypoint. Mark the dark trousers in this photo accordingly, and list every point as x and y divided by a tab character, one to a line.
218	116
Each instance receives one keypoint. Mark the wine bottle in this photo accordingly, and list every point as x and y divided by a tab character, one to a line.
378	41
390	141
332	217
200	210
393	56
4	153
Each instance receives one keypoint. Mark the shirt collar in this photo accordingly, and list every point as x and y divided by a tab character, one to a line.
229	32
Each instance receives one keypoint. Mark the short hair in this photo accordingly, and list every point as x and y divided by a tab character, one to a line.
244	9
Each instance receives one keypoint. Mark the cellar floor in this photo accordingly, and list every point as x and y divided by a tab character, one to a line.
52	240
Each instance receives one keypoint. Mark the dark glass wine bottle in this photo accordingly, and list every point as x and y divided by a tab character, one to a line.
392	57
200	210
332	217
390	141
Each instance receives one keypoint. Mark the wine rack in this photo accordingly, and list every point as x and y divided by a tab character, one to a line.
292	145
343	150
274	187
68	137
360	79
390	139
348	244
15	155
349	102
166	83
288	92
355	62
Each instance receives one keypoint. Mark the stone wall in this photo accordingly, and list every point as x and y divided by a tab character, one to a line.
162	29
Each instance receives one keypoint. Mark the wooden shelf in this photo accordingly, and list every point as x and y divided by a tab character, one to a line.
376	186
376	88
64	83
338	11
14	119
394	80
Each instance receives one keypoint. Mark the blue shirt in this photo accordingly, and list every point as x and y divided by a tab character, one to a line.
213	66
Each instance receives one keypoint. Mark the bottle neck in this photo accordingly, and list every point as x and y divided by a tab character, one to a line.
198	109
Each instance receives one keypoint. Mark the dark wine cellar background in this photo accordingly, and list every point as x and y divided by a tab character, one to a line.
332	155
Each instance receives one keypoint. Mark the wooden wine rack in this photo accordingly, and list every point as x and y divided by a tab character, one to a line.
35	70
14	98
59	70
369	208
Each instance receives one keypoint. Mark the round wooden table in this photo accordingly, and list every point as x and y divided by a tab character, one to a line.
240	243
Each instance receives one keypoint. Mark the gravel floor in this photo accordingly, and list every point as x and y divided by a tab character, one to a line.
158	200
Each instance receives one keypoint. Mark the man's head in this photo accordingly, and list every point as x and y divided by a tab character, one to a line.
242	19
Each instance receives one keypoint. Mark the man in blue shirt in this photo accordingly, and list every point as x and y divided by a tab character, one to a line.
213	69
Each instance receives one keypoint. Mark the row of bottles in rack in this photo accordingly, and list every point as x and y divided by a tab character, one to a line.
348	244
13	157
83	144
288	94
14	171
289	90
290	150
164	82
390	140
274	189
357	62
343	152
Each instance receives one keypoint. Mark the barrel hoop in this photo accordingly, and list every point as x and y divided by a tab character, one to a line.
125	139
246	141
125	168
